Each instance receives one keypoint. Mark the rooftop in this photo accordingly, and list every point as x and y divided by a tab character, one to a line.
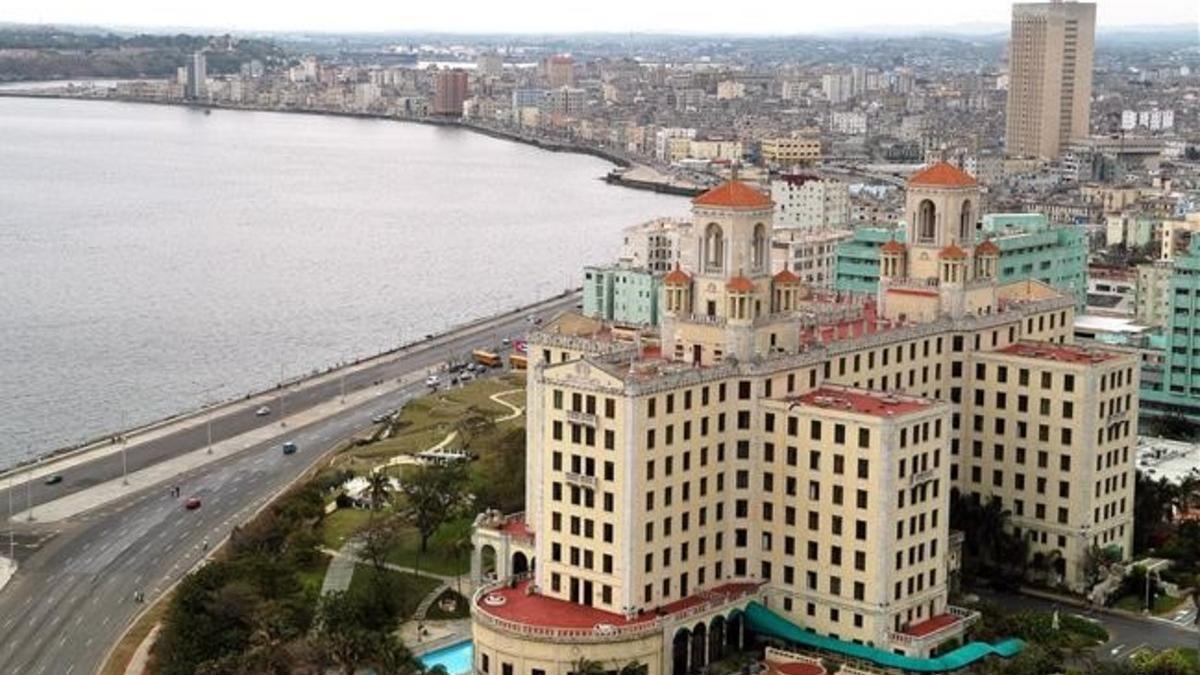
942	175
1053	352
932	625
861	401
516	604
734	194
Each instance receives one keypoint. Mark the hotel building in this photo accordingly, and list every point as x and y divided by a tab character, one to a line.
770	451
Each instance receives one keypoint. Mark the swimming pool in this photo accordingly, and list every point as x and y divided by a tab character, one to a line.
456	658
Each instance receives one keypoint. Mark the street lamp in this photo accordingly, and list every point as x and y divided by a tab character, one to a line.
29	491
124	454
282	399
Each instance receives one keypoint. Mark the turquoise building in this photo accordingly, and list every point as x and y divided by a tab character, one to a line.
1030	248
626	295
1174	385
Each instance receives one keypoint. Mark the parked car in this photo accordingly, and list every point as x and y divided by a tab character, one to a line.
263	411
380	419
53	480
192	503
432	381
289	448
466	377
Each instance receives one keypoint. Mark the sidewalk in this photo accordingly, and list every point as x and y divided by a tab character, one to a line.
110	491
341	569
1083	604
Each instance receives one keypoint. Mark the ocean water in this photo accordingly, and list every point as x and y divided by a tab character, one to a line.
153	258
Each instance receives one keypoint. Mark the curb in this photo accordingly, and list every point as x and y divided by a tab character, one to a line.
220	545
102	442
1111	611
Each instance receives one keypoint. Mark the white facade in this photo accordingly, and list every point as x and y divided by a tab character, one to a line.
663	136
849	123
810	202
810	254
659	245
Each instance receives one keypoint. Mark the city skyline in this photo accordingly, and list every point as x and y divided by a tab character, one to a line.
671	17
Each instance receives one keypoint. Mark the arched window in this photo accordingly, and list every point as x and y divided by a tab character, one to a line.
759	253
965	224
714	248
926	222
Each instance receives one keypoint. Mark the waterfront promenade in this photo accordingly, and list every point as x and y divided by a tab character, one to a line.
97	541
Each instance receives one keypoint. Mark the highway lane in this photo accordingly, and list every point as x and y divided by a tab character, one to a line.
73	599
72	596
240	419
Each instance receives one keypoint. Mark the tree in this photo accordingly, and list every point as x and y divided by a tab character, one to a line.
499	482
377	539
341	637
473	423
379	489
586	666
389	656
1154	503
435	494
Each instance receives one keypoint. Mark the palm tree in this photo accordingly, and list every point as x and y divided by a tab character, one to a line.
585	666
461	546
379	488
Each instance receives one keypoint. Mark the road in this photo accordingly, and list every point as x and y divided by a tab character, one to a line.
72	596
1126	634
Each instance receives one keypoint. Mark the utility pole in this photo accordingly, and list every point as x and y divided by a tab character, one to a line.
29	492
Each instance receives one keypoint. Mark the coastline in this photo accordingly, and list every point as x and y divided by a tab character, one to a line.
614	177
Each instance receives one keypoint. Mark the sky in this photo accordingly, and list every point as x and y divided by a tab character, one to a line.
545	16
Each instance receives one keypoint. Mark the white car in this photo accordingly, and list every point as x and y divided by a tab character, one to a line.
263	411
432	381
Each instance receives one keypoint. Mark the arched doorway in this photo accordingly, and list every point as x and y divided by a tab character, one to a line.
679	652
716	639
699	647
733	631
487	561
520	564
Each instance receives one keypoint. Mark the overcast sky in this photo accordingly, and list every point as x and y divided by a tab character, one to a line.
538	16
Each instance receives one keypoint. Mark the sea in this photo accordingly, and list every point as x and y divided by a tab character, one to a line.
156	258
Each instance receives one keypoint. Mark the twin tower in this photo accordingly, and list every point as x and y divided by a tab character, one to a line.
732	305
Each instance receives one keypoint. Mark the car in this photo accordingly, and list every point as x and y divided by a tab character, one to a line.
380	419
192	503
432	381
289	448
506	342
263	411
53	480
466	377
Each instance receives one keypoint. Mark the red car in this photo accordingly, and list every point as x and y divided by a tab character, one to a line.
192	503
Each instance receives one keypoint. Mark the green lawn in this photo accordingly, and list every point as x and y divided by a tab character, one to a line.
461	610
337	527
407	589
438	559
311	578
1135	603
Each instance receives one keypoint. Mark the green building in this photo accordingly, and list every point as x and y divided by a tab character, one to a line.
627	295
1174	386
857	267
1030	248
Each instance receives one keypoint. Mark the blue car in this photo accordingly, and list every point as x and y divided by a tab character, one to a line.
289	448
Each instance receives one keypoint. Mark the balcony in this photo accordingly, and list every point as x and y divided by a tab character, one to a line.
577	417
919	477
582	480
931	632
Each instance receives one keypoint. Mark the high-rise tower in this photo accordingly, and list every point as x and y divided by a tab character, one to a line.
1050	76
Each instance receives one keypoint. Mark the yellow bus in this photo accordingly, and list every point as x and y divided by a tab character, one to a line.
486	358
517	362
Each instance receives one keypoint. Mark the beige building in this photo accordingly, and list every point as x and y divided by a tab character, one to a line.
1153	294
1050	76
1177	235
790	151
770	448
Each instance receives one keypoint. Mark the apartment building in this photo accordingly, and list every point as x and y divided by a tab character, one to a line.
771	451
621	294
786	152
811	254
1152	300
809	201
659	245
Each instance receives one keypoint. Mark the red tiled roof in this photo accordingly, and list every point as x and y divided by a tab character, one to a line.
942	175
740	284
932	624
893	246
913	291
734	194
860	401
1053	352
988	247
516	526
677	276
795	668
786	277
540	610
952	252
